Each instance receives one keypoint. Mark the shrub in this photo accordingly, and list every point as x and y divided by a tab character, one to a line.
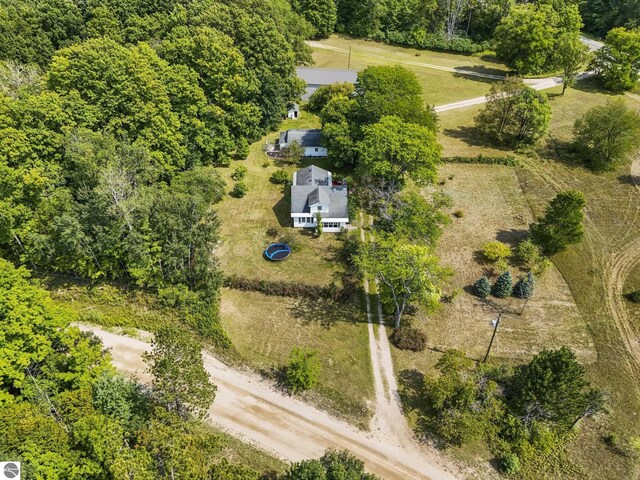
272	232
528	253
280	177
239	173
509	463
502	287
239	190
634	296
458	214
291	239
266	164
482	287
242	149
408	338
176	296
303	369
611	440
495	250
525	286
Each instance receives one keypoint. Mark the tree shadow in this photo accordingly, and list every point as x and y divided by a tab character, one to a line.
513	236
633	180
592	85
282	209
473	137
562	151
327	312
467	73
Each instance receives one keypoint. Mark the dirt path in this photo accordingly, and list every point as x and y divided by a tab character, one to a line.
250	408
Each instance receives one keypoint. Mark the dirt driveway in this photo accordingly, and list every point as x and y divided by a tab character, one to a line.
251	409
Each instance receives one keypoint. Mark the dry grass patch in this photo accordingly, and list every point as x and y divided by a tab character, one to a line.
264	329
439	87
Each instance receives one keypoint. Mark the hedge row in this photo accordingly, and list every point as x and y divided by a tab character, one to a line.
291	289
431	41
508	160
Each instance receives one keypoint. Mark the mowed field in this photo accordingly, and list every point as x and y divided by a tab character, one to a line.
264	329
245	222
579	303
439	87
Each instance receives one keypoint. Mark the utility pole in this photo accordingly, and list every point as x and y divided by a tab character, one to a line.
495	329
524	306
349	62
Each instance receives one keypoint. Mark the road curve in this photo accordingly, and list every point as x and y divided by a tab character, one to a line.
248	407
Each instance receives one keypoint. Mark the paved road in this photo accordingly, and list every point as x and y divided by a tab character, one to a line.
592	44
249	408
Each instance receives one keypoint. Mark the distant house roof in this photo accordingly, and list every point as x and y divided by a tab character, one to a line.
312	185
312	176
306	138
326	76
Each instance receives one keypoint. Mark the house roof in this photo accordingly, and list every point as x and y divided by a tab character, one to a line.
303	196
312	176
326	76
306	138
319	195
312	185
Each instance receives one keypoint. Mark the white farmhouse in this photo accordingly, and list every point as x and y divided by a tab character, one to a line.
313	192
309	140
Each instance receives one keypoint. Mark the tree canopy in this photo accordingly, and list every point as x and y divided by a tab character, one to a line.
562	223
618	62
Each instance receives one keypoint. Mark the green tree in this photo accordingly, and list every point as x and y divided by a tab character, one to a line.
239	173
319	224
514	113
280	177
242	149
525	286
482	287
407	273
333	465
495	251
325	93
502	287
322	14
562	223
384	90
180	382
303	369
239	189
552	386
572	55
392	151
618	62
607	134
292	153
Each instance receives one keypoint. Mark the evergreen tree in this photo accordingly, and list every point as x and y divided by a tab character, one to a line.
525	286
482	287
561	225
502	287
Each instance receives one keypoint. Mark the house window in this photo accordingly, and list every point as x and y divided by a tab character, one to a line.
316	149
319	208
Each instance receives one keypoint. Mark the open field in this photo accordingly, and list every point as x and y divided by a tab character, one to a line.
494	208
597	271
439	87
245	221
264	329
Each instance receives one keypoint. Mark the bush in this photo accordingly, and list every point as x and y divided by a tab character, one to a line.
509	463
242	149
502	287
291	239
495	250
303	369
239	173
634	296
508	160
266	164
482	287
458	214
272	232
280	177
408	338
525	286
239	190
176	296
528	253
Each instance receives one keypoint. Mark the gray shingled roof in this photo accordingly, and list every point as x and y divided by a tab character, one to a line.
319	195
300	199
306	138
326	76
312	176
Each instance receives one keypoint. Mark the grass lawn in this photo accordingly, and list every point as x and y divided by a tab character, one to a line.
588	269
264	329
245	221
439	87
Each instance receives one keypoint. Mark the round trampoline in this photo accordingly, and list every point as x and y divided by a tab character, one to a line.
277	251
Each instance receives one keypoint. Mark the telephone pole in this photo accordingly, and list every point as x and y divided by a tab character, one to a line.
349	61
495	329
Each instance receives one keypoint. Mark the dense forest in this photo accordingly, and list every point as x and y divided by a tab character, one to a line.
458	25
112	114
